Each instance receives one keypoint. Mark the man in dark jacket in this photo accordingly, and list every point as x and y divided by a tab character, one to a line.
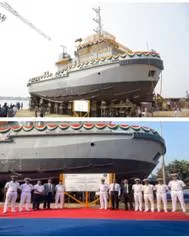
49	190
127	194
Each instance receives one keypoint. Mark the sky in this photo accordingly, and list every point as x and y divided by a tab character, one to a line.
25	54
175	135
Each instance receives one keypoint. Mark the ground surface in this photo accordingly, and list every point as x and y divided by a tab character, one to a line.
93	221
27	113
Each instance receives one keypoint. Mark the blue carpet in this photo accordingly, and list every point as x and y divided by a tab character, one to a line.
58	227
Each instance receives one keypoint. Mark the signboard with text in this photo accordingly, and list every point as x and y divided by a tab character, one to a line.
84	182
81	106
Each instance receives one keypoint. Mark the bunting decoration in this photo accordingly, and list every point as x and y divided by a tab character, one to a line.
64	125
52	127
135	127
88	125
103	60
146	129
28	128
100	125
4	130
40	127
76	126
124	126
112	126
16	128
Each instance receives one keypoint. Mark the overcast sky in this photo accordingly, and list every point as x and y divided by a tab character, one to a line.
24	53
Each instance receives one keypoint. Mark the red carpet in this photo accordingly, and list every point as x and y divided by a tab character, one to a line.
91	213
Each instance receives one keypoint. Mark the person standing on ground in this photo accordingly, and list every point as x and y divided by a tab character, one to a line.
161	194
127	195
49	190
59	196
138	188
38	194
36	111
11	190
148	190
103	192
25	198
114	192
41	111
176	187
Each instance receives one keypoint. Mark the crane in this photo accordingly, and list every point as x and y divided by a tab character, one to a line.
6	6
2	17
10	9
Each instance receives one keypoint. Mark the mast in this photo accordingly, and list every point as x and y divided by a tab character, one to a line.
163	159
98	20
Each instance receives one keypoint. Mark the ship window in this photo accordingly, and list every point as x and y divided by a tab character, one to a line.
151	73
92	144
99	73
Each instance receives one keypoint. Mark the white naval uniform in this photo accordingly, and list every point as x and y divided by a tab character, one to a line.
11	195
148	196
161	195
103	196
176	187
25	197
59	196
137	188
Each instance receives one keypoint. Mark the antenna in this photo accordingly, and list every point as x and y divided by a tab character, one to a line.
98	20
163	159
63	50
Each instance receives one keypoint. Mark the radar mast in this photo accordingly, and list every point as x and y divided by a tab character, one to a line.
98	20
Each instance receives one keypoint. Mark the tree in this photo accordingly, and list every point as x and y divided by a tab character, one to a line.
177	166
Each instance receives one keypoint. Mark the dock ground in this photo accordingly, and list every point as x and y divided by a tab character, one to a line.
28	113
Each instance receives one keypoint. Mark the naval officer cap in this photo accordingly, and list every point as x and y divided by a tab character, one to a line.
159	179
137	179
145	180
27	179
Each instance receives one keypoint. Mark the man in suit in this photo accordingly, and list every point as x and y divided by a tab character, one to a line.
114	192
127	194
49	190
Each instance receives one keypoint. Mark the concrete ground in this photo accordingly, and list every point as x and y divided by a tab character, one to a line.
27	113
